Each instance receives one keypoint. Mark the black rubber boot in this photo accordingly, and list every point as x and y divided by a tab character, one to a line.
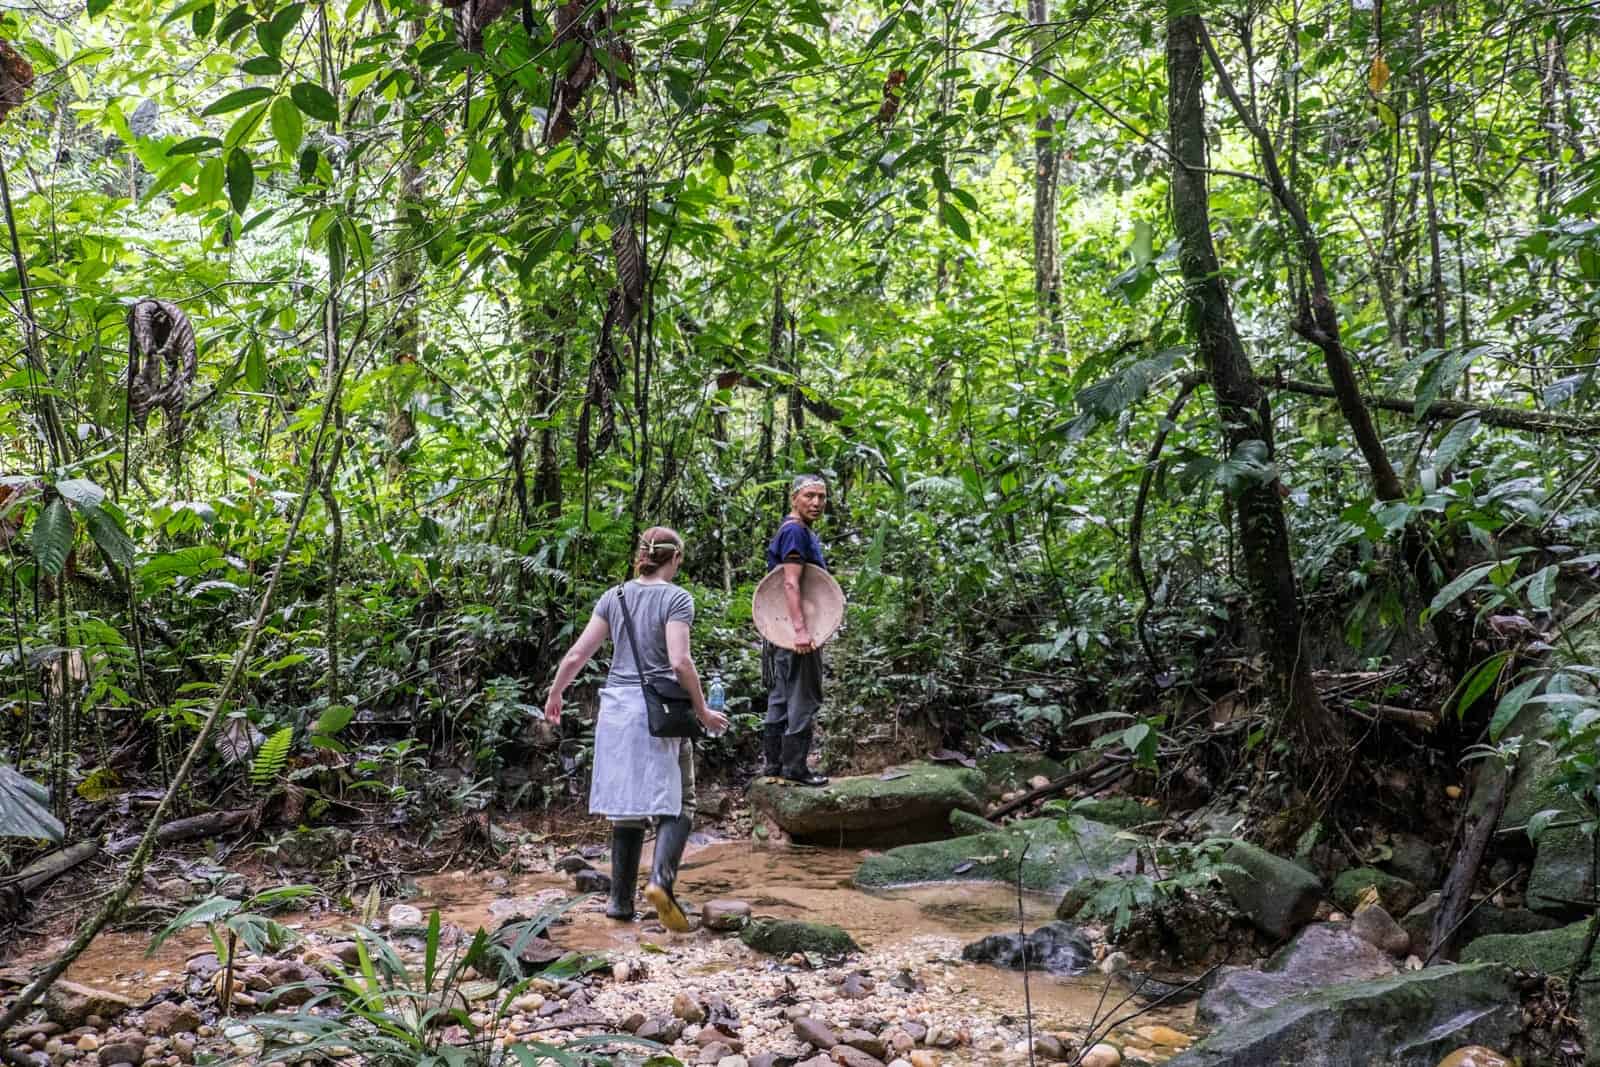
672	833
795	748
772	749
626	844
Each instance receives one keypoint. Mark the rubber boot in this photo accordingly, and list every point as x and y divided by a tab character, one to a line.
672	833
772	749
795	748
626	844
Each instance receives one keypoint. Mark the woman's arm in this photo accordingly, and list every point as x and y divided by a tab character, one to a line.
684	670
582	650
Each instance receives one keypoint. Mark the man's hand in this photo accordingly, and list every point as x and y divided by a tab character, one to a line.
552	708
714	722
803	644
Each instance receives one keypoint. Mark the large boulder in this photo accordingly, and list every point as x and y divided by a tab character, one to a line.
1277	896
1407	1020
1047	859
903	804
1321	955
1562	854
70	1004
1054	947
1484	919
781	937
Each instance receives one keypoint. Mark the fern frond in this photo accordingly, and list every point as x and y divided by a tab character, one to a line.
271	758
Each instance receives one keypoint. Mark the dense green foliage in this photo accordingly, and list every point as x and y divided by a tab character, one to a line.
485	301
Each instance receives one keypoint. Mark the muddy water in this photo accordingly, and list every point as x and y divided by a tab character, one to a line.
923	925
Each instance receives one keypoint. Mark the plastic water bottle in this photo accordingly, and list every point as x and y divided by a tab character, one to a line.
717	698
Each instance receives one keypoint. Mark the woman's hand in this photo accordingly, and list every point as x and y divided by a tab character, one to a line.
714	722
552	708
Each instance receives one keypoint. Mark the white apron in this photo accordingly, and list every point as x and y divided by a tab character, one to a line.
635	775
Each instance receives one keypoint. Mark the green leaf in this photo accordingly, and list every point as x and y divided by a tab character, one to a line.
237	99
272	757
193	146
1541	587
882	32
334	719
315	101
336	255
262	66
255	369
81	492
97	7
951	216
1452	592
287	126
108	534
1479	681
208	910
1510	704
52	537
1540	821
981	99
241	179
1454	442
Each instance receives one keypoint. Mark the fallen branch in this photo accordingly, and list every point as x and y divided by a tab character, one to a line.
1415	718
1492	415
1472	837
1054	787
47	868
210	824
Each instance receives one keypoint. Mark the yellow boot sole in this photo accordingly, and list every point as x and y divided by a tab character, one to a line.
667	910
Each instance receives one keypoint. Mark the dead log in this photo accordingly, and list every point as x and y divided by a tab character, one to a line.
208	825
1473	833
46	868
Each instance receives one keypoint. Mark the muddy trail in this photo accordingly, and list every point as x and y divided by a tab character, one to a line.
907	996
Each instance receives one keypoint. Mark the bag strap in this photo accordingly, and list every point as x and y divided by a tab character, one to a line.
633	638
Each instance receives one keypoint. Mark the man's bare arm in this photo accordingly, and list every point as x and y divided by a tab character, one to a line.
792	573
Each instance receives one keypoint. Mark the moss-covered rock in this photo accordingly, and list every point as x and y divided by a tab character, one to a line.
1049	860
1409	1020
964	822
1397	895
1277	896
1562	854
1004	771
781	937
908	803
1122	812
1548	951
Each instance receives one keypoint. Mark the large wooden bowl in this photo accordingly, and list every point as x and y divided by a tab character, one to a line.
819	594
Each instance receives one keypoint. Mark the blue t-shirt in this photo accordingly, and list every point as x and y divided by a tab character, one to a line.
795	540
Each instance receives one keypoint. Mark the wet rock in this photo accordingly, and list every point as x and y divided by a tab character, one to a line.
661	1029
124	1048
822	1059
856	987
589	880
1054	861
1277	896
917	1031
763	1059
724	915
88	1043
572	863
1397	895
1050	1047
632	1023
1412	1019
923	1058
846	1056
1101	1055
780	937
687	1008
1412	858
710	1035
1165	1036
815	1032
406	917
1122	812
69	1004
1321	955
1054	947
1377	927
713	1053
867	1042
908	803
734	1060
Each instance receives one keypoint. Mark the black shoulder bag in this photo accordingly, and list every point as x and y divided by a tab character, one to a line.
670	711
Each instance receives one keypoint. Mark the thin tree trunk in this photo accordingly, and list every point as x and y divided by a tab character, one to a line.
1241	404
404	340
1046	178
1425	150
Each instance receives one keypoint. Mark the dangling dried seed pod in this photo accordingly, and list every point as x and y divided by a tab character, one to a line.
159	333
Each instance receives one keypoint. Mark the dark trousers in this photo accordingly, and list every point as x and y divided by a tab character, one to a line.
794	688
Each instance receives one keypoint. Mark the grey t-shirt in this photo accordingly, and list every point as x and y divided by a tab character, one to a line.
652	607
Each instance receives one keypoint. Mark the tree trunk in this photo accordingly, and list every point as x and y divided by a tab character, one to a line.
545	389
1241	404
1046	175
404	340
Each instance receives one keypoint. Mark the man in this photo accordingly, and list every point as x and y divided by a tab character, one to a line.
794	678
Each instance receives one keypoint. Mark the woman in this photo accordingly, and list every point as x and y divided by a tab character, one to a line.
638	777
